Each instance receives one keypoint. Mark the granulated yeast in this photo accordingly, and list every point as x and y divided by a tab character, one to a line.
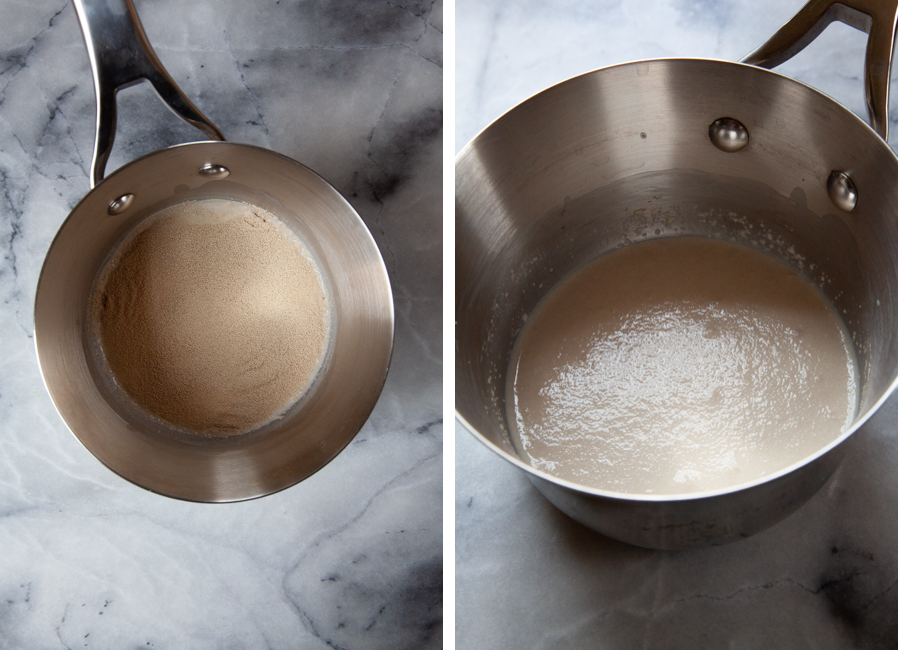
213	317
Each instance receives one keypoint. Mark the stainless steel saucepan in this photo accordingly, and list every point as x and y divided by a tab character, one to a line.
672	147
143	450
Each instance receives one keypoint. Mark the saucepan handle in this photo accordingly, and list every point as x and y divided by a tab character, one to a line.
878	18
121	56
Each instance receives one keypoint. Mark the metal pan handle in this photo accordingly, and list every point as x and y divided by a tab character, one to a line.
878	18
121	56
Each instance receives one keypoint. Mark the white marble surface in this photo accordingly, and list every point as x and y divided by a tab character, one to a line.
350	558
529	577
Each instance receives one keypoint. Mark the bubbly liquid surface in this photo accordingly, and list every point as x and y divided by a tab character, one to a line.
679	365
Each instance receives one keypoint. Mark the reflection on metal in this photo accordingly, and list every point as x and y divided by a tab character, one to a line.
119	205
214	171
728	134
842	191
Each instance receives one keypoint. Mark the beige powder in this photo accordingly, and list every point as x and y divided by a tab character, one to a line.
212	317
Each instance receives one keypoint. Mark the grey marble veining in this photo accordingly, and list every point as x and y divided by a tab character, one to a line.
529	577
351	557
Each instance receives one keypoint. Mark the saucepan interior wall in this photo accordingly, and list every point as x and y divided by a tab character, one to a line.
537	199
649	206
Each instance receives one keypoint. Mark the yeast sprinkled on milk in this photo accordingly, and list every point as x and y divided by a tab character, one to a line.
679	365
213	317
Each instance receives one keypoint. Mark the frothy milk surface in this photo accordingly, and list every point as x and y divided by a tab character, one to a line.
679	365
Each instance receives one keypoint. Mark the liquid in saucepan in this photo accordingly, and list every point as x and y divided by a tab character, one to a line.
680	365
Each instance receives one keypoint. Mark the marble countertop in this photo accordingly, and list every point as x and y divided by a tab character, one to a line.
529	577
349	558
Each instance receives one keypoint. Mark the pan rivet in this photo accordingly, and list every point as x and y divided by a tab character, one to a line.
214	171
842	191
121	204
728	134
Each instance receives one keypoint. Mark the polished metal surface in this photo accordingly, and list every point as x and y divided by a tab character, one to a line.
567	176
878	18
187	466
120	204
121	56
728	135
211	170
842	191
146	451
